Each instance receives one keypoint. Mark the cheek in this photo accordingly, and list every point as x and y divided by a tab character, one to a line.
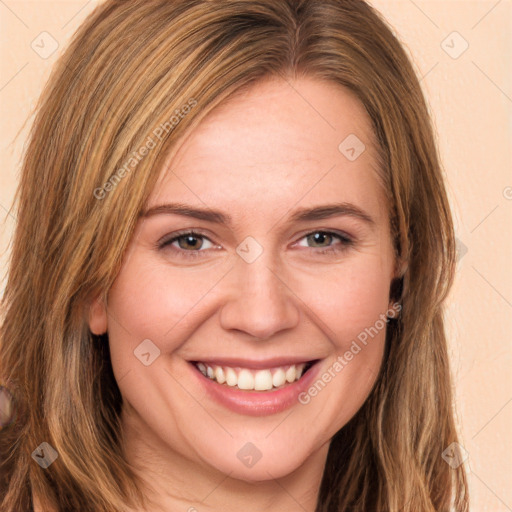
157	302
350	304
350	298
164	303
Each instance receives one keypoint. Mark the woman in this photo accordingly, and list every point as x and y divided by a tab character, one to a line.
173	336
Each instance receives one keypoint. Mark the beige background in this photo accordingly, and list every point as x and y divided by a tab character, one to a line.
470	94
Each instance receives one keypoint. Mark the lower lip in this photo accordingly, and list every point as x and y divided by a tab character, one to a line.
257	403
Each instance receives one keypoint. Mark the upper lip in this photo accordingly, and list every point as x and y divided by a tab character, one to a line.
253	363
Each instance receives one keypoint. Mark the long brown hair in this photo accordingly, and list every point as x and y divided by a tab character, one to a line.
131	68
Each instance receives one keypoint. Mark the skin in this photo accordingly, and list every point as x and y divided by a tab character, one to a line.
258	157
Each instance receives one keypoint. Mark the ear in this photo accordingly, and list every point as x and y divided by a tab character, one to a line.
98	316
396	287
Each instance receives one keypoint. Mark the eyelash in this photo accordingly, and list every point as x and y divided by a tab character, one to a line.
346	242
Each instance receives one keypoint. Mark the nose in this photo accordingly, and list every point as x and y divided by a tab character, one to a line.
260	303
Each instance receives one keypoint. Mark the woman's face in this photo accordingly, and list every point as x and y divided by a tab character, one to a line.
290	263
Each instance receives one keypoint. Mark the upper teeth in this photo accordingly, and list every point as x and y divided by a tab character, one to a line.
259	380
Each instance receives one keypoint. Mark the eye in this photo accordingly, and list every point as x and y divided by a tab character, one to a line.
188	243
325	237
192	244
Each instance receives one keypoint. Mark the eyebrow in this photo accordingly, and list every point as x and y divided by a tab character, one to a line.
302	214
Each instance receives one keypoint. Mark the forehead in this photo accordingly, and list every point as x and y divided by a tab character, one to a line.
277	143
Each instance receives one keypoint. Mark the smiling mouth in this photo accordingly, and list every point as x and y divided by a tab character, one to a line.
246	379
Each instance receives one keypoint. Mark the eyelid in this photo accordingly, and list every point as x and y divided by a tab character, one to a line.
342	234
346	241
168	239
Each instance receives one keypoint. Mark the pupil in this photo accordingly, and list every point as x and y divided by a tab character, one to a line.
190	241
318	238
320	235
